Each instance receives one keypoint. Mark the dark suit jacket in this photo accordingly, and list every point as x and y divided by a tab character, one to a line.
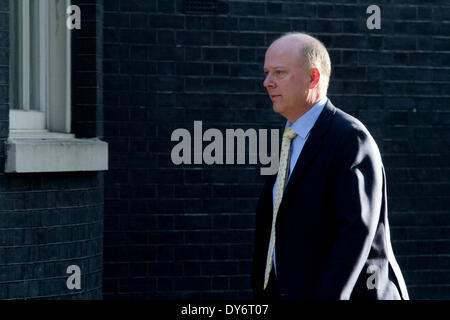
332	232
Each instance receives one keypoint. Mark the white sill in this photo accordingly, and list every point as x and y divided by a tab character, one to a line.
40	151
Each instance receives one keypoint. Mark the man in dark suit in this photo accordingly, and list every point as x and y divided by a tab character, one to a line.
322	228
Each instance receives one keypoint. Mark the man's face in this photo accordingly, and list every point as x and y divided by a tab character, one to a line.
286	80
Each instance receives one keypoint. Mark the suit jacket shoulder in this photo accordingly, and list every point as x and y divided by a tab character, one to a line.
352	137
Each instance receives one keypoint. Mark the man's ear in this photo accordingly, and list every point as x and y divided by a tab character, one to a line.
315	77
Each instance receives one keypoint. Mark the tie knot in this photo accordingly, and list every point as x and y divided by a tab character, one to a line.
289	133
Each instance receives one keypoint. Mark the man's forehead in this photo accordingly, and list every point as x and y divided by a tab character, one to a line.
290	42
281	57
283	47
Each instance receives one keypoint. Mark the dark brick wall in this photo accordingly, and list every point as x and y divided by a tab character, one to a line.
87	71
47	221
187	232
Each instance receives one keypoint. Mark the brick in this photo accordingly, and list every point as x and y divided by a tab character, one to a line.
166	37
424	13
138	36
240	282
274	8
220	23
440	13
247	39
193	38
219	268
221	38
166	6
193	22
246	70
247	23
295	9
220	54
324	25
187	283
138	21
399	43
350	72
138	5
165	53
400	12
441	44
115	19
193	68
162	21
247	8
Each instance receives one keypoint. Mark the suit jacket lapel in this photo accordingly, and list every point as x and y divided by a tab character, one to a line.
268	188
312	144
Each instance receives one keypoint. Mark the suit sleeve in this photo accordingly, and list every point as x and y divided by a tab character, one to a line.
356	205
263	225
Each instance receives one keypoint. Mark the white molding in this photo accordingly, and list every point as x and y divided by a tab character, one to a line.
27	155
26	120
39	134
24	53
68	124
43	59
59	68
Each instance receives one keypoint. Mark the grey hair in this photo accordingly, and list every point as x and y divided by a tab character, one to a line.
314	55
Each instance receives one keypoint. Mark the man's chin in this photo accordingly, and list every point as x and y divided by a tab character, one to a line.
277	109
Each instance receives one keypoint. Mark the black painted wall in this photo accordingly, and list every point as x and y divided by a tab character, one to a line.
187	231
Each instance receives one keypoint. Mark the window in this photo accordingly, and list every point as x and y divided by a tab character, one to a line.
40	138
199	6
40	67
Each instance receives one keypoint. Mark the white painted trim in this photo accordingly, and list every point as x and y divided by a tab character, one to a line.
26	120
55	155
24	54
68	119
39	134
59	68
43	58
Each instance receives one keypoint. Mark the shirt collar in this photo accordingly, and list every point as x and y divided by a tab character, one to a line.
303	125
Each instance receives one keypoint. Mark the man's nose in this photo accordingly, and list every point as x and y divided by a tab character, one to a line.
268	82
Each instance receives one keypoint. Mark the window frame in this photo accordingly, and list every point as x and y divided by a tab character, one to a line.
40	140
41	91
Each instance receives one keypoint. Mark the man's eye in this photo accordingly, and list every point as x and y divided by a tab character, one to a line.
278	72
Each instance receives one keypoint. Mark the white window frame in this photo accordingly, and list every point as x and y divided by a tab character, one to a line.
42	102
